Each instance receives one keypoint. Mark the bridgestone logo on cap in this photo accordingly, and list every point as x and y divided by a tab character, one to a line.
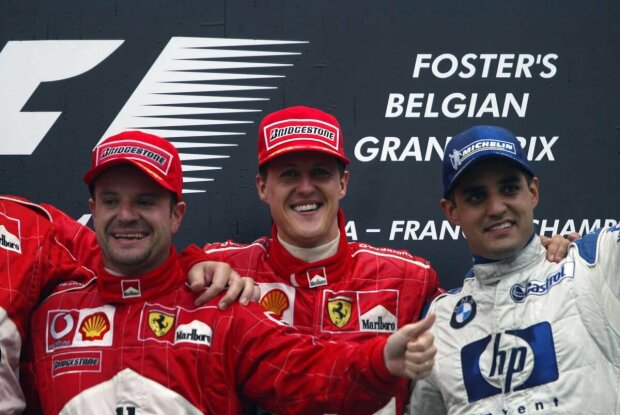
157	157
459	156
302	130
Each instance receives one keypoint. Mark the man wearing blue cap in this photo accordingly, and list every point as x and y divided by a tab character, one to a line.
523	335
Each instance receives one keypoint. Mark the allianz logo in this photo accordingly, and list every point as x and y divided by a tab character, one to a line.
519	292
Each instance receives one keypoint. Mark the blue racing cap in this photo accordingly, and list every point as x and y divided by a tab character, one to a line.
475	144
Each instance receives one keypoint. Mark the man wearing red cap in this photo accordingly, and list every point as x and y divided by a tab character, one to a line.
309	274
42	247
132	340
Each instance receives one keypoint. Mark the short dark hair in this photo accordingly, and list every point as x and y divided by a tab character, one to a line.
528	178
173	196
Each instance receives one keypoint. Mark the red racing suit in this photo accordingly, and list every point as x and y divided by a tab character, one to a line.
137	345
361	292
32	261
79	239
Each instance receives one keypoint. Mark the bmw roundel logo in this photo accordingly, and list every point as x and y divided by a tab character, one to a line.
464	312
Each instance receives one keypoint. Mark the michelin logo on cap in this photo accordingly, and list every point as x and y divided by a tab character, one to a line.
459	156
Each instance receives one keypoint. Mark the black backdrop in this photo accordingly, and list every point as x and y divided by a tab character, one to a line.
205	72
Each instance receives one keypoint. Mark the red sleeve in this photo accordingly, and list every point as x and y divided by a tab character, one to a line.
57	266
60	265
434	289
289	373
192	255
79	239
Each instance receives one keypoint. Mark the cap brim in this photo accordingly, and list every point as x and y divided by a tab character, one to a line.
92	174
471	163
298	149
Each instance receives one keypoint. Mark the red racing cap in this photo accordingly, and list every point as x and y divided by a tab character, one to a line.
299	128
153	155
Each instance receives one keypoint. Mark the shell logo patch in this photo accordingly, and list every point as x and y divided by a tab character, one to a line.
94	327
339	310
87	327
160	323
276	304
275	301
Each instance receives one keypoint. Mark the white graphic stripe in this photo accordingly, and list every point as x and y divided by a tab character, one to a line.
194	179
224	53
188	133
181	87
187	156
161	99
177	96
187	167
181	144
220	65
197	76
164	110
142	121
206	42
24	65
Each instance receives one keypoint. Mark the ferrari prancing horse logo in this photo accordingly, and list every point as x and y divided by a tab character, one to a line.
339	310
160	323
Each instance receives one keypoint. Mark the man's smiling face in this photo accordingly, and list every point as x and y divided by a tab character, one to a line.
134	220
494	205
303	191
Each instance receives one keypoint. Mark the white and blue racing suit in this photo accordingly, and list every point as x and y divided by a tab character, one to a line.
527	336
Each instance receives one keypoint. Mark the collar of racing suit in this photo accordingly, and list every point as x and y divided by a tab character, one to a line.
310	274
135	288
315	253
492	272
